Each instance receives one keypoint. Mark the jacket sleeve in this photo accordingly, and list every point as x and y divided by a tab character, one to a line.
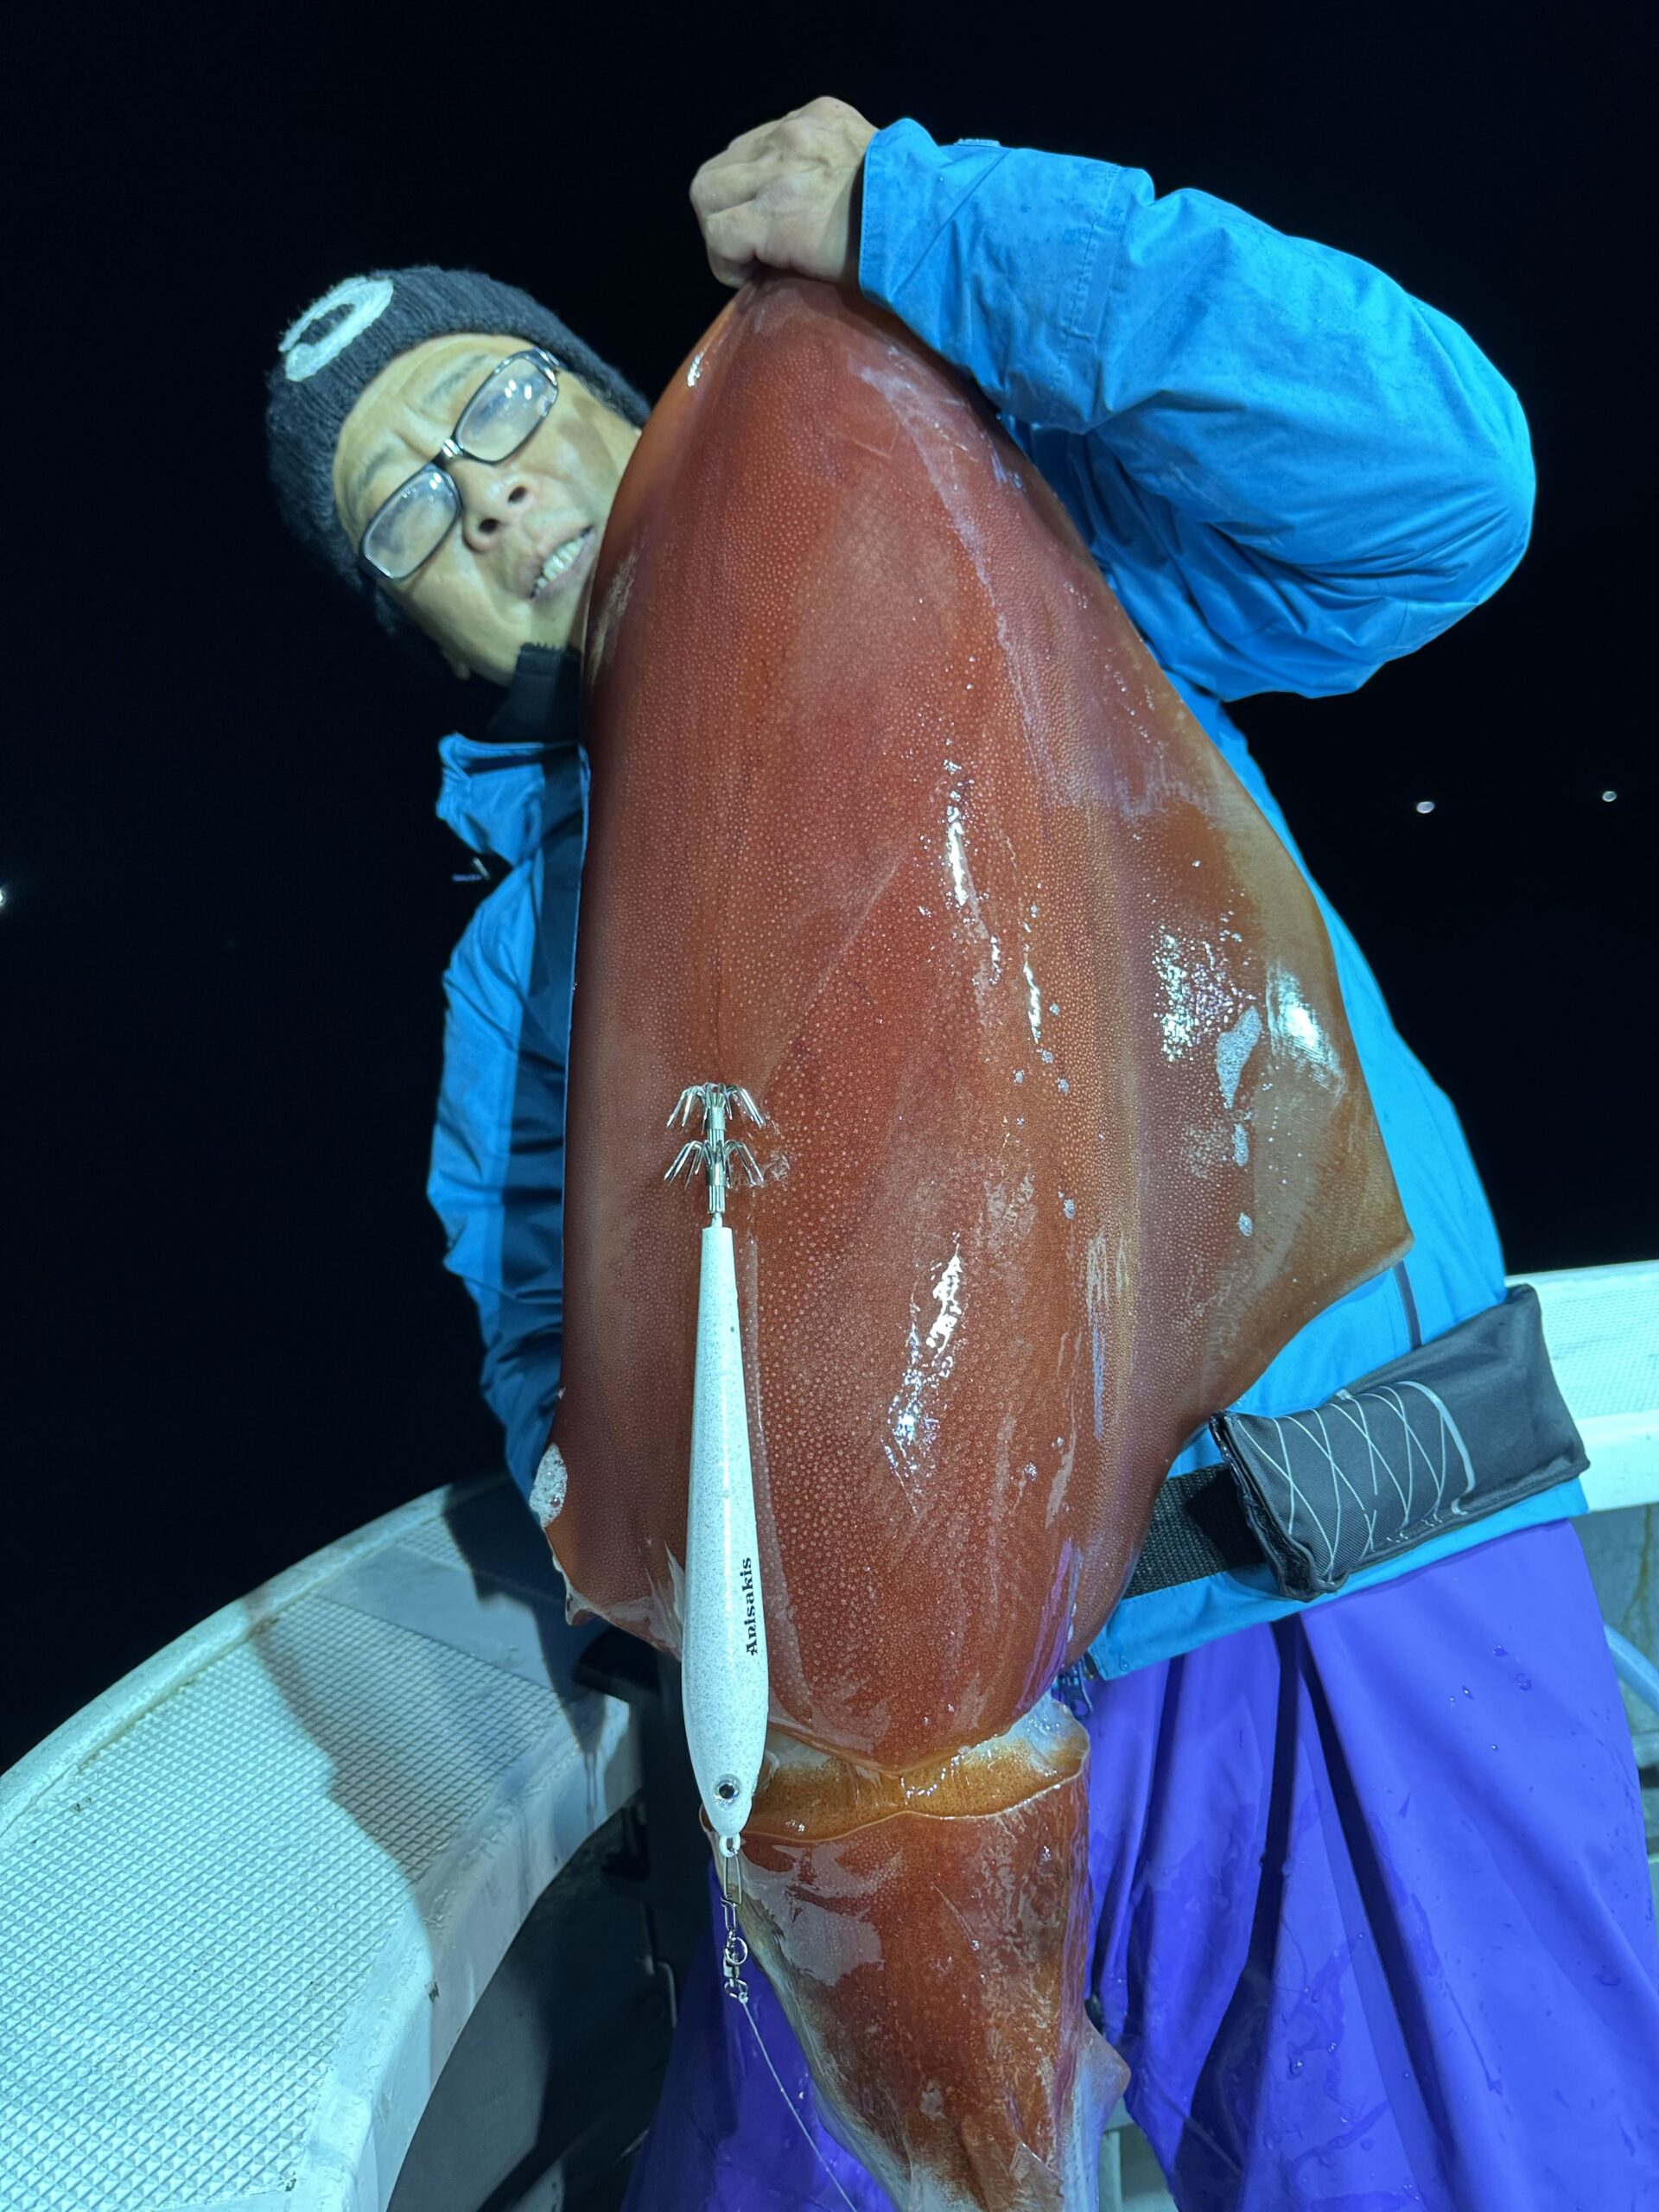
497	1181
1290	469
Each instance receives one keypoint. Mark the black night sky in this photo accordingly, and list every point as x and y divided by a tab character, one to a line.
227	900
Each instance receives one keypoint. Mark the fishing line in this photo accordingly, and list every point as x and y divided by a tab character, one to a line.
733	1961
754	2029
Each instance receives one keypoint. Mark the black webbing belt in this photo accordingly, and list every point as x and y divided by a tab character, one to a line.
1198	1528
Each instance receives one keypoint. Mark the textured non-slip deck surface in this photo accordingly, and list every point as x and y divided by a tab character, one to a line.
222	1917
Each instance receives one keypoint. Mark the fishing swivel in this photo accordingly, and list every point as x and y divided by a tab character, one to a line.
734	1954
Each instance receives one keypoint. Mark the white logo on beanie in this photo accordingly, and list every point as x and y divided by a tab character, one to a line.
366	298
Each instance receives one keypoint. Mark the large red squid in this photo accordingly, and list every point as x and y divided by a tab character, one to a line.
896	822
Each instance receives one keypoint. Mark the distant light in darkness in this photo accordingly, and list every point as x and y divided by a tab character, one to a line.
1424	806
4	895
1609	796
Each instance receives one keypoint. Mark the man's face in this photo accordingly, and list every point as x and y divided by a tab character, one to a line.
517	566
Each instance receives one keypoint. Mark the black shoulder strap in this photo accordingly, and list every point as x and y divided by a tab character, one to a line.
542	701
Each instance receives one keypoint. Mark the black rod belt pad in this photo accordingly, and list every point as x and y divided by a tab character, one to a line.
1457	1429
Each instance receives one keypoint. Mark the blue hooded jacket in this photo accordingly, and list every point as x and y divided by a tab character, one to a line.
1290	471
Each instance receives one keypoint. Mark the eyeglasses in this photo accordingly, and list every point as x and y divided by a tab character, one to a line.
502	415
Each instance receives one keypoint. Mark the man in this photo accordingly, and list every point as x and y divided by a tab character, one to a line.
1376	1926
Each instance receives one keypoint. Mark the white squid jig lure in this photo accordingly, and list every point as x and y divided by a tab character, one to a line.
724	1679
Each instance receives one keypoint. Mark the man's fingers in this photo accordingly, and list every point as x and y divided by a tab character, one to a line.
756	154
781	196
744	144
727	183
732	237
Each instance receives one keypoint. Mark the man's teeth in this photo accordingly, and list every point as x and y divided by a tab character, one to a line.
562	555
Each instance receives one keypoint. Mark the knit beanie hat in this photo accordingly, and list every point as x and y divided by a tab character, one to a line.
341	344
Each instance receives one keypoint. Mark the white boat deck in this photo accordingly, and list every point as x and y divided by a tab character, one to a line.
250	1897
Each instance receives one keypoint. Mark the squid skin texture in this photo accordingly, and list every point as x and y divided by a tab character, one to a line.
931	1961
895	821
